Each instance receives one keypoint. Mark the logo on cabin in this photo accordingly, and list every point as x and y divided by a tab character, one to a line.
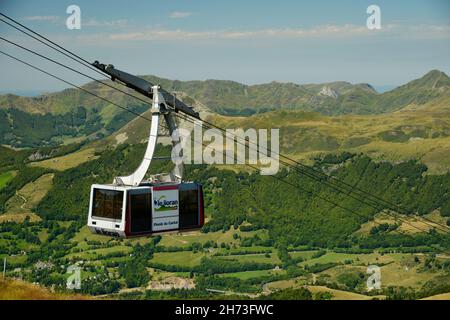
161	204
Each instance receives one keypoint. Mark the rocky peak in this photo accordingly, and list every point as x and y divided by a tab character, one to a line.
327	91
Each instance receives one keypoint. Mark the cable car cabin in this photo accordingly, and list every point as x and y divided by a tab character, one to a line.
131	207
127	211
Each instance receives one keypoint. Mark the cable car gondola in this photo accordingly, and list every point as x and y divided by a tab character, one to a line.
130	206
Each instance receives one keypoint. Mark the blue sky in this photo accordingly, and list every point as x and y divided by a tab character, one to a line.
246	41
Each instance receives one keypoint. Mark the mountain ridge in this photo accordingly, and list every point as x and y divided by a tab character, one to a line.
203	90
65	116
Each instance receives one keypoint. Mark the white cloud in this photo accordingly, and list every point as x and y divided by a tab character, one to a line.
323	32
179	14
121	23
96	23
179	34
42	18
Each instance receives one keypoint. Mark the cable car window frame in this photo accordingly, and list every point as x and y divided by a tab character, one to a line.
115	204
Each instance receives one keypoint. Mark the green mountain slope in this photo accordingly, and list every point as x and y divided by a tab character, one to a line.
71	114
334	98
433	86
224	96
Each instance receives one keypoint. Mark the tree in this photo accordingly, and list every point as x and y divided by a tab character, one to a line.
135	273
291	294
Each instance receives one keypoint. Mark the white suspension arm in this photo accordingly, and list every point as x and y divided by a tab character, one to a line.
137	176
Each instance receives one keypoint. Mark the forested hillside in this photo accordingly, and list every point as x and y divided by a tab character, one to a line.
289	214
297	217
22	129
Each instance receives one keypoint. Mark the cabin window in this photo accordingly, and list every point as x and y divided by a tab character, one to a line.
141	212
107	204
189	217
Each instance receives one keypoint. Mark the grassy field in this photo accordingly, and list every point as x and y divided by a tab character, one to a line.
435	153
303	254
285	284
254	257
188	238
358	259
67	161
340	294
396	270
408	224
21	204
20	290
86	234
396	274
93	254
243	275
443	296
176	239
183	258
304	134
13	259
6	177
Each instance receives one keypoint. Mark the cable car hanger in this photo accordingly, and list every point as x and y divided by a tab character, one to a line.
164	103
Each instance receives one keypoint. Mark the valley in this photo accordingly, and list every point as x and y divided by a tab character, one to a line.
284	242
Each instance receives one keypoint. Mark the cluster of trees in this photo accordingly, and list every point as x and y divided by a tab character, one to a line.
10	157
256	240
351	279
319	253
195	247
437	285
26	231
17	237
248	227
58	243
291	294
319	267
400	241
210	266
134	270
217	265
383	227
249	285
243	252
225	283
332	158
46	277
100	284
287	261
433	264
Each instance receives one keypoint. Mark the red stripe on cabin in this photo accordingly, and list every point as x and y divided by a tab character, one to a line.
128	216
202	210
157	188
